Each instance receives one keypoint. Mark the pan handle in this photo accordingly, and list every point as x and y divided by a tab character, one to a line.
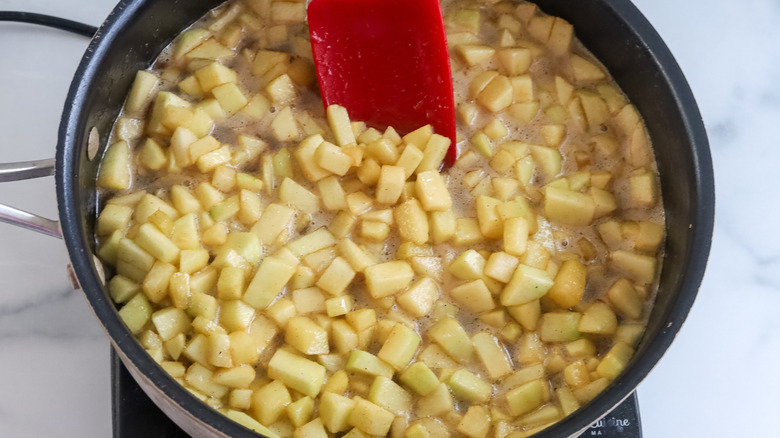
28	170
39	168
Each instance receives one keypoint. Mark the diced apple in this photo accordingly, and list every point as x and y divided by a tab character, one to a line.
332	158
569	284
475	54
560	326
412	221
142	87
399	347
306	336
497	94
527	284
214	75
340	125
615	361
568	207
433	153
468	386
525	398
136	313
270	401
476	422
297	372
335	410
294	194
418	300
230	97
473	296
366	363
638	267
585	71
370	418
269	280
385	279
437	402
389	395
451	336
114	171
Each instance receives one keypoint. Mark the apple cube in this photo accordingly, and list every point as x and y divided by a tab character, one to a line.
370	418
568	207
469	265
476	422
433	153
420	378
270	401
306	336
390	184
435	403
492	355
475	54
399	347
527	284
295	195
615	361
451	336
332	194
366	363
418	300
114	171
169	322
339	122
136	313
412	221
385	279
297	372
467	386
300	411
236	377
332	158
569	284
410	160
274	220
585	71
214	75
335	411
269	280
284	127
201	378
389	395
473	296
142	87
560	326
626	300
500	266
152	155
497	95
490	223
526	397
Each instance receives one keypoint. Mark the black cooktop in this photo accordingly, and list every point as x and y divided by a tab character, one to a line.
134	414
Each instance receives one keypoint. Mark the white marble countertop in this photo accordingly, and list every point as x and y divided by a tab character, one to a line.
716	380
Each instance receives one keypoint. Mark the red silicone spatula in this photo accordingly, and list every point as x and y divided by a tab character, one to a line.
386	61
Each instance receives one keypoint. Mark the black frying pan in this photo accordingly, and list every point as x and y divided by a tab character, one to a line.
613	30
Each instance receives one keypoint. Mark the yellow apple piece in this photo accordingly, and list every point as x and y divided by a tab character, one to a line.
114	171
385	279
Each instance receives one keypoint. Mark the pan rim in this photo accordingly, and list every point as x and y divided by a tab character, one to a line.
72	219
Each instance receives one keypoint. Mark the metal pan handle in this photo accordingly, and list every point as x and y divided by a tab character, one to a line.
38	168
21	171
